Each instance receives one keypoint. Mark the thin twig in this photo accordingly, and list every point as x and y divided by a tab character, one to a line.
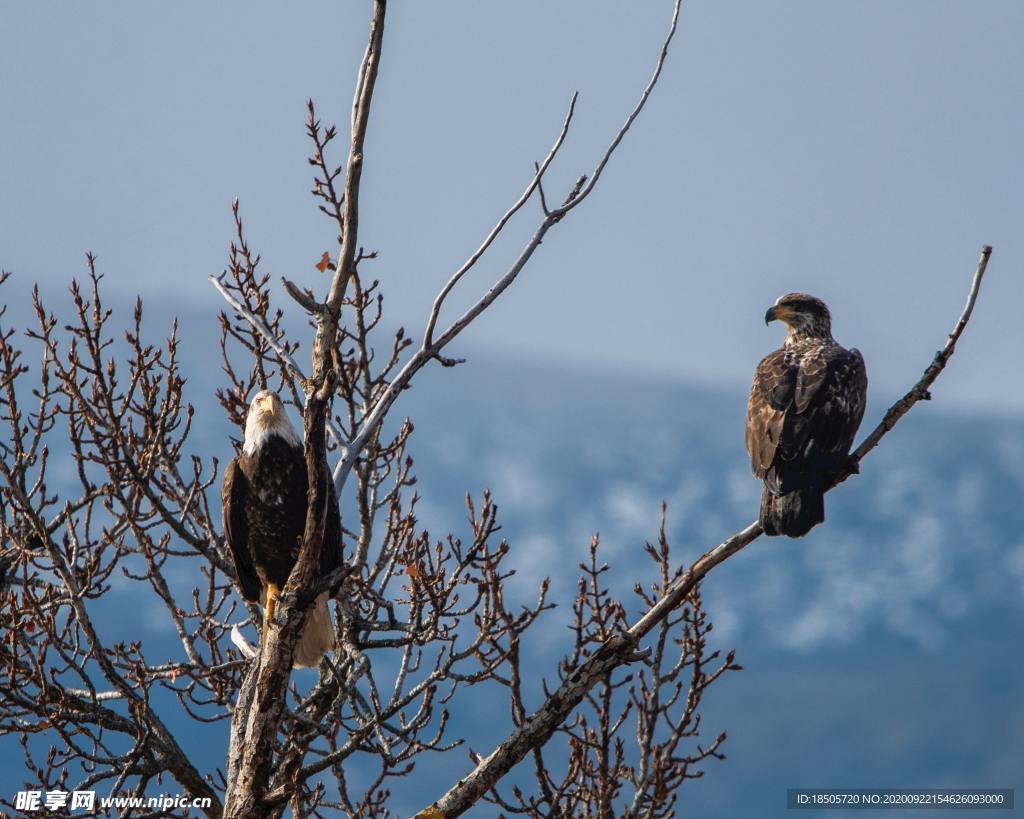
260	327
535	184
579	195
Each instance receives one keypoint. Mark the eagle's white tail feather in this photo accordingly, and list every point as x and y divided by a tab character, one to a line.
248	649
317	636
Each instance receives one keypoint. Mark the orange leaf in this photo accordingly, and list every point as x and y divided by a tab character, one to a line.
415	572
30	626
324	262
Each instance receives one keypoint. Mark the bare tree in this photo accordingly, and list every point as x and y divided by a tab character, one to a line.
419	620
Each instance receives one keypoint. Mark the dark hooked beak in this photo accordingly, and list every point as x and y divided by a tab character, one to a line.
771	315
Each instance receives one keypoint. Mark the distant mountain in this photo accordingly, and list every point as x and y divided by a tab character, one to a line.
930	535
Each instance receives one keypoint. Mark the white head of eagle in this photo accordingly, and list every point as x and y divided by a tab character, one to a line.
267	417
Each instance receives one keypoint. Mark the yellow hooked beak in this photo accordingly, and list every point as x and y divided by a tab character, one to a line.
268	404
781	312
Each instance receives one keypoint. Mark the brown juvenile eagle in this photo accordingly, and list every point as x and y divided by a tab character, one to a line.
806	403
264	504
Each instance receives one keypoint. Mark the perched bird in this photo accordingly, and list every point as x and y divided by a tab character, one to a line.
264	505
806	403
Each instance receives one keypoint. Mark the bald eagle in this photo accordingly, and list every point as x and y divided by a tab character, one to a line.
264	505
806	403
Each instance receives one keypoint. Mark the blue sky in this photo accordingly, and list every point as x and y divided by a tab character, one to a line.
862	151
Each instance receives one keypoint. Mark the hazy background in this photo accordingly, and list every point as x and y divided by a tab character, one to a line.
863	151
860	151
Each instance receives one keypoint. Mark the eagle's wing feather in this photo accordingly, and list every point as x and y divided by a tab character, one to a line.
806	410
236	534
840	407
771	395
809	378
330	556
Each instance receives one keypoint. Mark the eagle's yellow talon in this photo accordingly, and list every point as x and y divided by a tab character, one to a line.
268	614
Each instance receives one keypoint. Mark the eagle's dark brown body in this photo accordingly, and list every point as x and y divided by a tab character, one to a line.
264	498
805	406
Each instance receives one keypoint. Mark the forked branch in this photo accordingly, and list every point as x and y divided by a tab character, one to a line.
431	347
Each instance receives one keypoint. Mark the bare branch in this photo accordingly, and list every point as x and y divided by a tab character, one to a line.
354	174
431	348
919	392
535	184
617	650
584	189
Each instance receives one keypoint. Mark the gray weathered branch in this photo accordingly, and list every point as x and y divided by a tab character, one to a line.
353	177
251	751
